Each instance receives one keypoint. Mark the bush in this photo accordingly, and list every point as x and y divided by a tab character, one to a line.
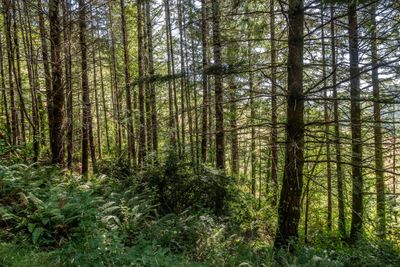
179	188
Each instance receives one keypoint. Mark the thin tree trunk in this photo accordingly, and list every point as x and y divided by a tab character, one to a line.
233	126
183	76
128	95
338	149
204	48
379	168
103	99
219	99
274	107
18	78
219	93
153	103
147	84
10	57
4	93
142	126
57	86
66	5
253	130
46	67
33	85
327	129
86	116
171	116
356	142
114	79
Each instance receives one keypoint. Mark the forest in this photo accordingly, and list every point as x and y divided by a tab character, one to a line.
199	133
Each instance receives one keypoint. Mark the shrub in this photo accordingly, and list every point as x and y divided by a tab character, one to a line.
179	188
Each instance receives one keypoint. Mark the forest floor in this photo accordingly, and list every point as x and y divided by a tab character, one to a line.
51	217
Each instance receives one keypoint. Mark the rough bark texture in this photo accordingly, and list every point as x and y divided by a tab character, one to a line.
292	182
142	126
128	95
46	67
338	149
356	142
327	130
379	168
10	59
153	103
86	116
274	107
204	108
4	93
219	93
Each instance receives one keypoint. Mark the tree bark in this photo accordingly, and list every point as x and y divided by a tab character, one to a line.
10	59
57	86
219	93
4	93
153	103
327	129
338	149
274	107
379	168
66	5
204	48
356	142
86	113
46	67
292	182
142	126
128	95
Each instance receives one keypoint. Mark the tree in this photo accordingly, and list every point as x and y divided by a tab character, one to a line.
57	92
292	182
87	133
128	96
379	168
219	93
142	126
356	141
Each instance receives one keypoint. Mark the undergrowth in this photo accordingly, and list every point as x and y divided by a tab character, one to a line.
49	217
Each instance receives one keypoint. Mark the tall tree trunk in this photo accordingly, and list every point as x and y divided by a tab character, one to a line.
142	126
219	99
379	169
114	80
128	95
17	76
233	125
174	133
86	114
4	93
26	33
219	93
147	84
274	107
356	142
204	48
292	182
338	149
66	6
103	100
327	128
253	129
153	103
57	86
183	75
10	57
46	67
